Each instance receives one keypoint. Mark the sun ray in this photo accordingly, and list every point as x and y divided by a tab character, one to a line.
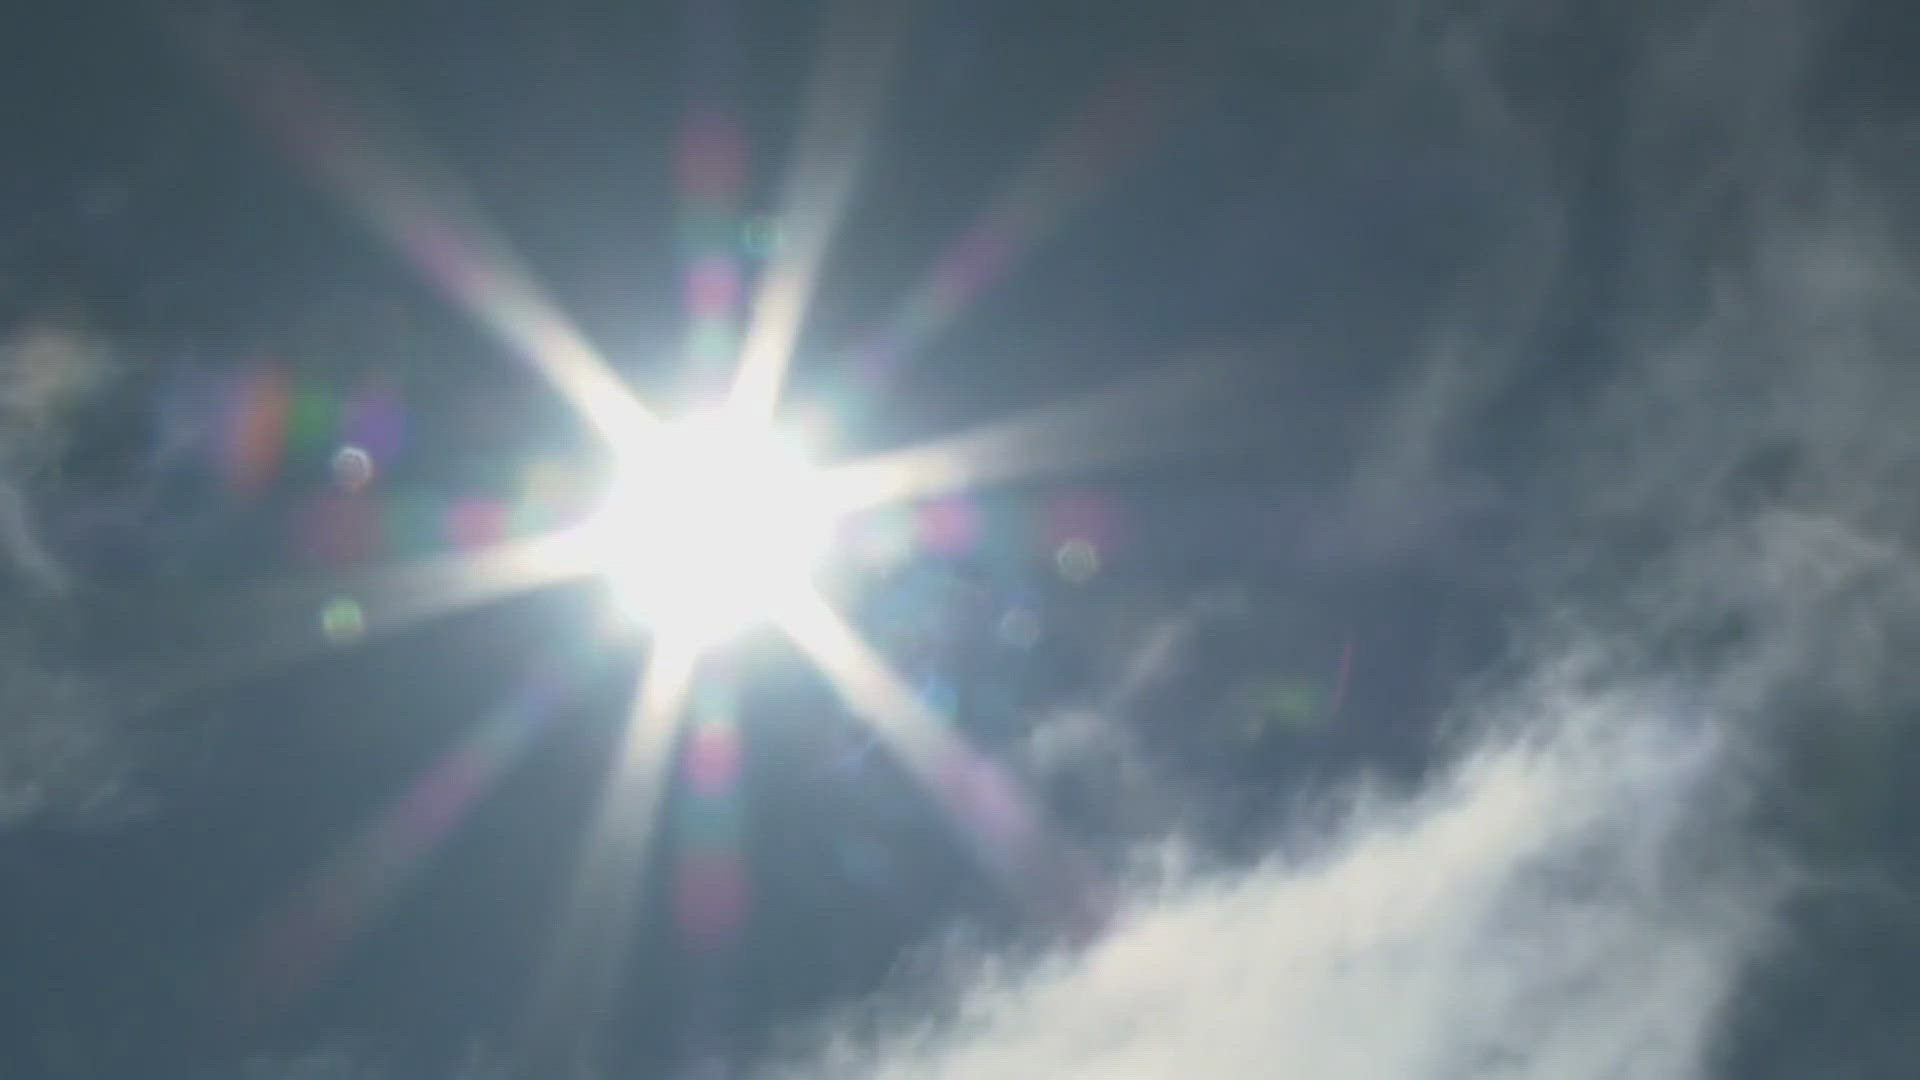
1122	118
591	938
281	622
1107	427
858	45
397	596
302	939
711	884
1004	827
421	213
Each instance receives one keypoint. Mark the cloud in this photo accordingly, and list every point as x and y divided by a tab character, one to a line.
59	755
1718	533
1554	908
329	1063
45	372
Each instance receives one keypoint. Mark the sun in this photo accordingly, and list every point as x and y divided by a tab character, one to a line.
710	524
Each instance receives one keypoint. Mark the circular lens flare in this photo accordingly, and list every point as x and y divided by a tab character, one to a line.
708	524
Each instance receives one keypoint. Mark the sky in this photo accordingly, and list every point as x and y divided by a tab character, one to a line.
1410	571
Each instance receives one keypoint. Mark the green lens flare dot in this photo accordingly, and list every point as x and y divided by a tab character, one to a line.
342	621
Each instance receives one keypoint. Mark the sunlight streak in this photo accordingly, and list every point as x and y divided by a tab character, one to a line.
859	43
1108	427
303	939
711	880
591	939
420	212
394	597
996	818
1122	118
278	623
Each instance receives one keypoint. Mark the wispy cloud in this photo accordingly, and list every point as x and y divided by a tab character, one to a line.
45	371
1552	909
58	753
1721	535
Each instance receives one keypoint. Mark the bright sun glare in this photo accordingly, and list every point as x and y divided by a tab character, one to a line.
709	524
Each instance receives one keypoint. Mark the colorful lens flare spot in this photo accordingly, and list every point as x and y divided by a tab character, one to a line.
267	421
713	287
375	422
342	621
352	468
256	429
314	420
1078	561
713	758
710	896
950	526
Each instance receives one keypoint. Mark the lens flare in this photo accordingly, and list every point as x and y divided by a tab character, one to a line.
709	524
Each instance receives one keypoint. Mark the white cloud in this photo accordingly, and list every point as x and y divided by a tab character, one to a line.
1727	533
1556	908
44	372
58	754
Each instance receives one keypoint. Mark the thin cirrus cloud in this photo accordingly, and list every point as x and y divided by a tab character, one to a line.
1721	535
45	371
58	755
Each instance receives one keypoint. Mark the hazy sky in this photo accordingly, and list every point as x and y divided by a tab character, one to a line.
1434	604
